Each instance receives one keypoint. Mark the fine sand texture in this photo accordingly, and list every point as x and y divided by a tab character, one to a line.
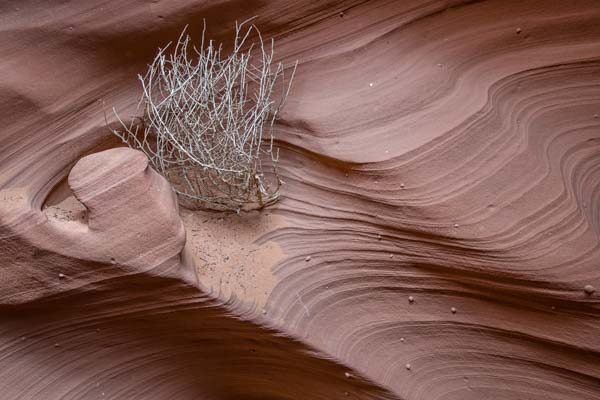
437	236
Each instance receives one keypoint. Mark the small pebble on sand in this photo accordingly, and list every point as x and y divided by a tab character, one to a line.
456	225
402	186
402	339
307	259
61	276
589	289
453	309
347	374
518	30
371	84
411	299
408	367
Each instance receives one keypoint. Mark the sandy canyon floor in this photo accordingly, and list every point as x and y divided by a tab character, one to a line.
438	234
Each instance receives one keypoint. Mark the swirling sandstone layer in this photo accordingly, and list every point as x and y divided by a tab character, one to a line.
438	235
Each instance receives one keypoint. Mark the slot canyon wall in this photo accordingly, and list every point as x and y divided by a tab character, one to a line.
438	234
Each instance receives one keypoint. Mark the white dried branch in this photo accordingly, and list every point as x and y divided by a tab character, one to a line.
208	120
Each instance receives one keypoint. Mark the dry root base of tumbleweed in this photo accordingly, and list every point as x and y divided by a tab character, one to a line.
207	124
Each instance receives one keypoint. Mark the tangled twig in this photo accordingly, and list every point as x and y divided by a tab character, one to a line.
207	124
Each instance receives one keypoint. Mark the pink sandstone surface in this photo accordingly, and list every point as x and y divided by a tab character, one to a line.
438	235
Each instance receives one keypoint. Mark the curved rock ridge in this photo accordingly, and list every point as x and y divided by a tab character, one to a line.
109	307
131	226
438	235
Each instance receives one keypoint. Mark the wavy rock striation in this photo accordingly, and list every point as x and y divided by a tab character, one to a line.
110	308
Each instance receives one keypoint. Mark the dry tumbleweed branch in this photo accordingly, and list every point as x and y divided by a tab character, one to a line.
208	121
